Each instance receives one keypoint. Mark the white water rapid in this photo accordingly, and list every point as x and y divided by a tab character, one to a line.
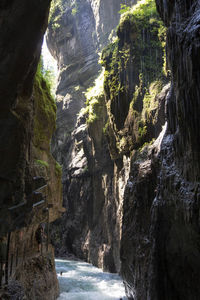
82	281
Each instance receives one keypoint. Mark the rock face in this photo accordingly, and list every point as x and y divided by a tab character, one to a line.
94	148
134	184
26	111
77	32
160	251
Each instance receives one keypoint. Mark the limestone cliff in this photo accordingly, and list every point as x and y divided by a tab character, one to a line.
78	30
30	187
160	250
131	158
95	148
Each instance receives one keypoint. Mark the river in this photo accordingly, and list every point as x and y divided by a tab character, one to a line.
82	281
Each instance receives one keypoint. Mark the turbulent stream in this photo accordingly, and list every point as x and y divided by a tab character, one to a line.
82	281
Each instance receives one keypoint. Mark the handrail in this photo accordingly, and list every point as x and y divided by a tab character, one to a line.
40	188
38	203
16	206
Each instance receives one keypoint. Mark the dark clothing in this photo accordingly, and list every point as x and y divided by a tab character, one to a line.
39	235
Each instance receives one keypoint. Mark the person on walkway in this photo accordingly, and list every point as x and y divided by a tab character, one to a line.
39	234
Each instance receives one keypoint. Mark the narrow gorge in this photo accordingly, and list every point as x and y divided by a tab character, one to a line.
108	171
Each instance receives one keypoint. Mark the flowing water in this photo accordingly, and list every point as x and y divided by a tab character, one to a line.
82	281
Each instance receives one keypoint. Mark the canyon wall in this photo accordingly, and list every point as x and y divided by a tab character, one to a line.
94	147
160	240
77	32
131	156
30	179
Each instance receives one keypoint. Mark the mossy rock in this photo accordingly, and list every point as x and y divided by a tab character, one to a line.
133	65
94	100
45	113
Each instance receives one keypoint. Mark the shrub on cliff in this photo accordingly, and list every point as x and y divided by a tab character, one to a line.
45	111
134	74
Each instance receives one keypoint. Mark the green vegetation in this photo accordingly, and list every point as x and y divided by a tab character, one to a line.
77	88
124	9
141	42
45	111
44	124
122	143
58	169
48	75
149	100
74	11
75	6
94	100
57	10
42	163
55	13
106	128
134	71
147	35
142	131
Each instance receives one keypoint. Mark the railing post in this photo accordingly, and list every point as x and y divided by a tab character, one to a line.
47	244
1	273
11	265
7	258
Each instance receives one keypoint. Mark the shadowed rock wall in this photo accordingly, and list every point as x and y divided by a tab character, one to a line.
26	165
95	148
159	232
160	250
77	32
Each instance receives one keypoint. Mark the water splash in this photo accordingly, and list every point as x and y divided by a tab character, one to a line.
81	281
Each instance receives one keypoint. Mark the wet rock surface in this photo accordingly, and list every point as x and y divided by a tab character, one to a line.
17	69
160	252
29	182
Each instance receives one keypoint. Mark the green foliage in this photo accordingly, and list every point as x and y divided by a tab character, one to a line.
94	98
48	76
77	88
134	71
146	145
45	111
148	36
56	11
106	128
122	143
154	89
111	59
42	163
75	7
58	169
142	131
74	11
55	26
124	9
50	79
